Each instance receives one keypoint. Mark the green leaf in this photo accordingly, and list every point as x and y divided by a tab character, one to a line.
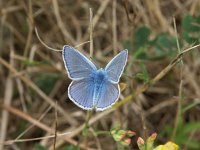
141	54
188	38
190	24
20	128
128	44
187	23
191	29
139	43
192	126
164	45
46	81
192	144
32	63
40	147
183	130
71	147
143	75
141	37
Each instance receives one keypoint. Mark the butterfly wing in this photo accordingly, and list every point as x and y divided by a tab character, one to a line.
81	93
77	65
108	95
116	66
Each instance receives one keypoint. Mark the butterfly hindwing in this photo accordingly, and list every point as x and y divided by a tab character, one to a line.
77	65
109	94
116	66
81	93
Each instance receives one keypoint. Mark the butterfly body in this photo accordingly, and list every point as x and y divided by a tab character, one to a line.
93	88
99	79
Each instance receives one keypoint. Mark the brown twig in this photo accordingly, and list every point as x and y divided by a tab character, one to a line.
31	28
7	101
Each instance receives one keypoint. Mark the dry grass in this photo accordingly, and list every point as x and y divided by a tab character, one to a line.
26	107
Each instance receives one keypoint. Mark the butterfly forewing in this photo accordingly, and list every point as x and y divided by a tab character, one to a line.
116	66
77	65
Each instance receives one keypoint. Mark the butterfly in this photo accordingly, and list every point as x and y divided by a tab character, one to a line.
93	88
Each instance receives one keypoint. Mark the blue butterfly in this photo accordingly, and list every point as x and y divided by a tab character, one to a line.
93	88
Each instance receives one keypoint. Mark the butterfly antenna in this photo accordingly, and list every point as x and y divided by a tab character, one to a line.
53	49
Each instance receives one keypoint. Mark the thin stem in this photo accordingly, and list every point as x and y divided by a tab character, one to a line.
89	113
9	142
102	132
114	27
56	126
179	107
91	33
44	44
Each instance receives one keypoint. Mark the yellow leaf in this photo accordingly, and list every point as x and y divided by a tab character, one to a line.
167	146
122	86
